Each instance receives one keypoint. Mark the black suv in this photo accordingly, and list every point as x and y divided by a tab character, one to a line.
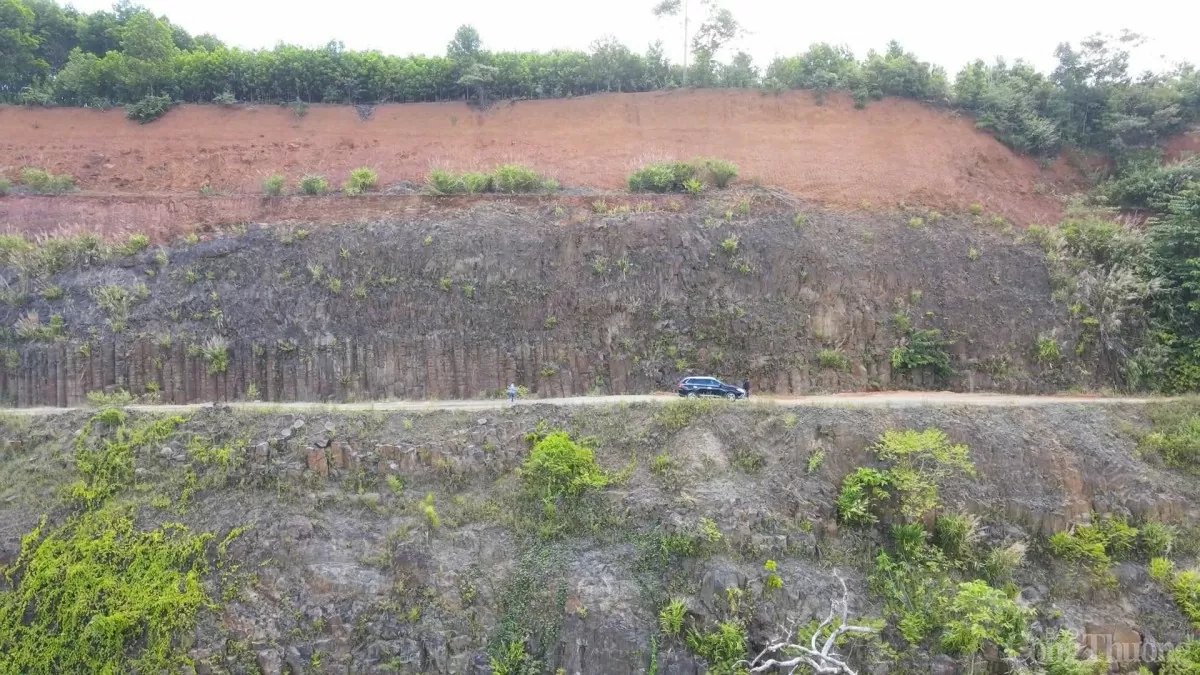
692	387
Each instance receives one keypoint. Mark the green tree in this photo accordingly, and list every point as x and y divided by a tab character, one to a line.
465	46
19	60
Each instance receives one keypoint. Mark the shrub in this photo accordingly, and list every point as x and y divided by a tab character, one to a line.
1060	656
314	185
1157	539
956	535
1003	562
475	182
274	185
860	492
442	182
1176	438
558	466
1183	660
980	614
661	177
225	98
5	186
216	353
135	244
834	359
721	648
514	178
719	172
815	460
1048	350
922	349
148	108
431	515
1183	586
1096	545
46	183
693	186
921	461
141	589
361	180
730	245
670	618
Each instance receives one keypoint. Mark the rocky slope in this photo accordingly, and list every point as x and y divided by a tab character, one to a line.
410	543
567	296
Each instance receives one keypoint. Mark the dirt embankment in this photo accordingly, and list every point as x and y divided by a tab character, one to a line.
895	150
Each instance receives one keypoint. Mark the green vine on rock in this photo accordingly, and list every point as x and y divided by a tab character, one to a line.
95	594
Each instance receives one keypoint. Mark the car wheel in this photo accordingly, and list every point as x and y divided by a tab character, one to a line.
691	394
731	396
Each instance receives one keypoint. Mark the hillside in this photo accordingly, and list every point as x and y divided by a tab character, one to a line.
414	543
893	151
563	298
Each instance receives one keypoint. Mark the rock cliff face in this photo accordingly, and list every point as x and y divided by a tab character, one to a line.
554	296
403	543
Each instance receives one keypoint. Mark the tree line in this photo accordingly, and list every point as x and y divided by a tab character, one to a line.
58	56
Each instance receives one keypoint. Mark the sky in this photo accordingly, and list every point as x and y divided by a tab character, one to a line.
949	33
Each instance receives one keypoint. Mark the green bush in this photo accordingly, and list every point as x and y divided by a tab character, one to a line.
662	177
920	462
1175	439
225	98
148	108
1096	545
1150	186
442	182
979	615
558	466
834	359
861	492
1157	539
135	244
5	186
46	183
130	594
1047	350
922	349
693	186
361	180
514	178
314	185
274	185
670	619
476	182
720	648
1183	660
1003	562
719	172
1183	586
956	535
1060	656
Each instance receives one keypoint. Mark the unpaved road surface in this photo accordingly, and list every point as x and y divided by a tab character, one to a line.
903	399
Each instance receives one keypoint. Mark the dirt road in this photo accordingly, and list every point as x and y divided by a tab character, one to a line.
901	399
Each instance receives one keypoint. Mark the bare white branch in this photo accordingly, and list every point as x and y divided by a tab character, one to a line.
824	660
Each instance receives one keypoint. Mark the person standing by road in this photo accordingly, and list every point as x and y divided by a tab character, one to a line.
746	387
512	393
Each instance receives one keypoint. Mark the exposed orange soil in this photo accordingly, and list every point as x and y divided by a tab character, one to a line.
1183	145
895	150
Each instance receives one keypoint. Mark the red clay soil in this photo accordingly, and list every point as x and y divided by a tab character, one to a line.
1183	145
895	150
